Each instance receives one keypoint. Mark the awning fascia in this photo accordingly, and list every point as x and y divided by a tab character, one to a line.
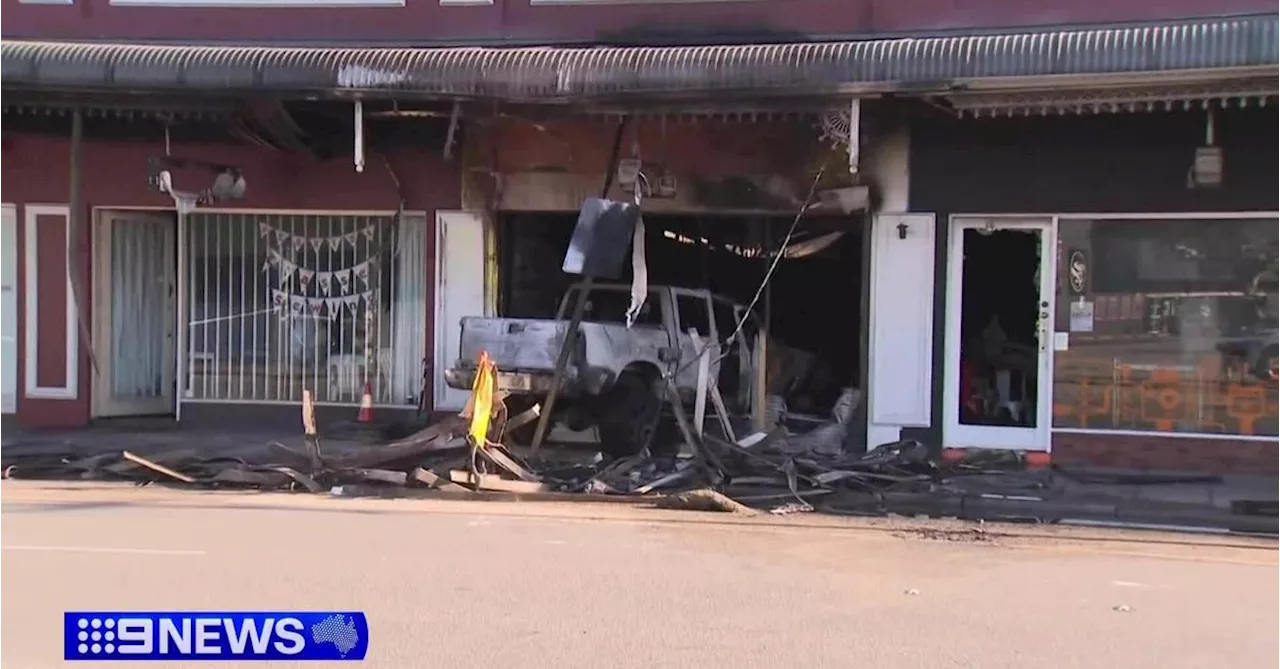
1216	47
1240	92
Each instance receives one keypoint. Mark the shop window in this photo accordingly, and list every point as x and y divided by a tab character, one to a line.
1167	325
279	303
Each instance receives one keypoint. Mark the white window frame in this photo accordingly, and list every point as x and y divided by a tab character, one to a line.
31	305
1157	216
950	394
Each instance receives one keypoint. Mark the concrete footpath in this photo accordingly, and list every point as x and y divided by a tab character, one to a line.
1245	504
580	586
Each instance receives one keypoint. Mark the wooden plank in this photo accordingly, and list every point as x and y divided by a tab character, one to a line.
431	480
441	466
495	483
760	381
163	458
434	438
301	479
308	414
450	425
156	467
261	479
722	411
704	380
673	477
315	460
380	475
524	418
495	454
705	499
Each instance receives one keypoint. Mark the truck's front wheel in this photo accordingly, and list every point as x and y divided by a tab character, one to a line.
630	415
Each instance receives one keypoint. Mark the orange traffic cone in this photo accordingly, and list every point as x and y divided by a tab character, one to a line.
366	405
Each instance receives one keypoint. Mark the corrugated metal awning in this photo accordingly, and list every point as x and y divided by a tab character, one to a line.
1240	92
548	74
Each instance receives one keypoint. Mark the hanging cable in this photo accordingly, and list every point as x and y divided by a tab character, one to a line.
777	257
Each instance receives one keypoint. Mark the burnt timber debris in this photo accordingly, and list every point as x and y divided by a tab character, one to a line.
780	473
777	471
758	471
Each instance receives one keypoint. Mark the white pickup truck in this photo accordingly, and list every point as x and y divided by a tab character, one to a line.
612	381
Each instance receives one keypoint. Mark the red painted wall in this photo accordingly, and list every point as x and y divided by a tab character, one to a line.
426	22
35	170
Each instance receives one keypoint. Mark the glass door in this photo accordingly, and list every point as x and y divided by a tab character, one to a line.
999	334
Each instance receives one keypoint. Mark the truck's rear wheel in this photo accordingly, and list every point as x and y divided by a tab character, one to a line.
630	415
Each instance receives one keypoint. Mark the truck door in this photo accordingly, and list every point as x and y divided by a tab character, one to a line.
694	313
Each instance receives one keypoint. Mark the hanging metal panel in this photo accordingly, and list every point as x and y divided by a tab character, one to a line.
279	303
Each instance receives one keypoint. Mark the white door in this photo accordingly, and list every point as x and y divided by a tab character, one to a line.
9	310
134	314
1000	278
460	265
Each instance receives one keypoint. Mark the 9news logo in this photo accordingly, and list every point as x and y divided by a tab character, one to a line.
239	635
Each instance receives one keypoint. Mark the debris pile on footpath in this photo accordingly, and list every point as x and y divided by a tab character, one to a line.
778	472
476	455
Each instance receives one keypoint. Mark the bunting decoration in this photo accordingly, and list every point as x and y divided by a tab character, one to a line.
326	279
334	289
321	307
291	242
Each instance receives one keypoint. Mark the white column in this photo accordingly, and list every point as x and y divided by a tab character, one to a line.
900	365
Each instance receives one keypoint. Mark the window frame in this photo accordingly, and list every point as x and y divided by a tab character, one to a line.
1058	220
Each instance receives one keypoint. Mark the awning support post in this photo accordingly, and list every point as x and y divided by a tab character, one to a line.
358	149
75	223
855	123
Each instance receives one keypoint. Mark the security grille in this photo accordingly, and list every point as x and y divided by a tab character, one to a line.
279	303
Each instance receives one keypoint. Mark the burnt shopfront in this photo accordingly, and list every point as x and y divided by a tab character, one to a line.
1107	281
756	206
351	233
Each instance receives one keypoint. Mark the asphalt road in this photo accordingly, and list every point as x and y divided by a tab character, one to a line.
482	584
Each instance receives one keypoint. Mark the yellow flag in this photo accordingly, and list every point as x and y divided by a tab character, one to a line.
482	399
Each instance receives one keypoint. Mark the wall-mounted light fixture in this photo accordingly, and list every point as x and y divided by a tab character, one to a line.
1206	168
